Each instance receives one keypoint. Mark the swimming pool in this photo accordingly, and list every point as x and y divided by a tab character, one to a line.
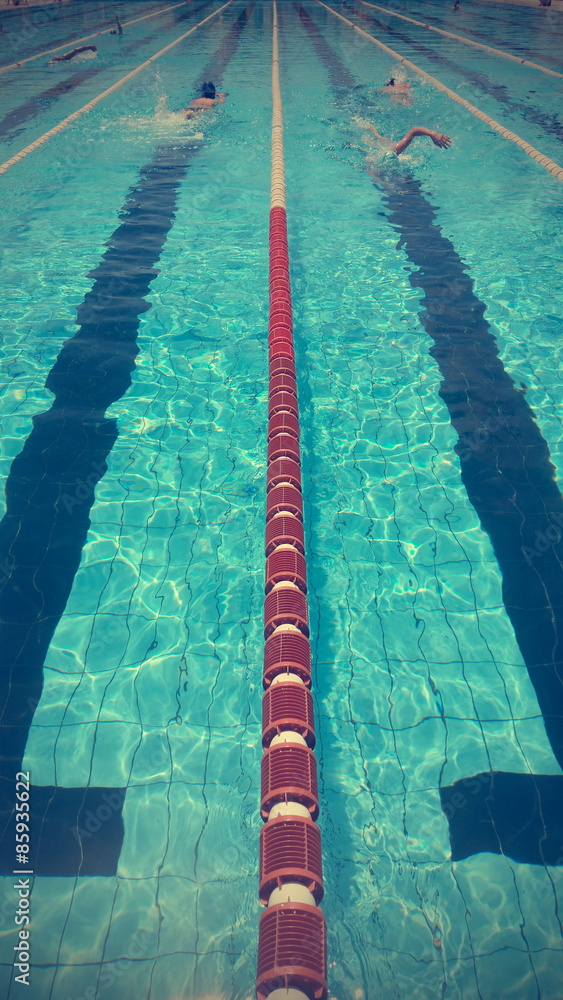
427	313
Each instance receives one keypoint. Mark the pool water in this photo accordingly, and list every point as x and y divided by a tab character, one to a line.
140	612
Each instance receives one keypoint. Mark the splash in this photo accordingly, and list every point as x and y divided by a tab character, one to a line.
161	123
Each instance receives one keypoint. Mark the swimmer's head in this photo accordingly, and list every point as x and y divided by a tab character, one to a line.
208	90
390	82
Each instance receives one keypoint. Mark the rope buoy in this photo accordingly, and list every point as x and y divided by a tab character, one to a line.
292	934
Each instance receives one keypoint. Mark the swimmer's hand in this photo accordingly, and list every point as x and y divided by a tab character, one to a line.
363	123
441	140
437	138
373	129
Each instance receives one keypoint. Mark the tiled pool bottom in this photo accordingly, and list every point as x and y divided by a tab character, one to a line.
152	683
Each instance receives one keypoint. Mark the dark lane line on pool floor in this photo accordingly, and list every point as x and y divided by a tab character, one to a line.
40	103
337	834
50	490
456	23
482	10
549	123
501	44
40	17
510	481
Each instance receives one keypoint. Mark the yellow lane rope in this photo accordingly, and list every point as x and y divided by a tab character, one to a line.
78	41
92	104
530	151
277	189
466	41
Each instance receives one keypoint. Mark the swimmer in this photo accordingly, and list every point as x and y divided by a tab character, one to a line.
209	98
456	5
438	138
119	28
401	92
74	52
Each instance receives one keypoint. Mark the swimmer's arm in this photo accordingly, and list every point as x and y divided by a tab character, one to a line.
438	138
74	52
67	55
373	129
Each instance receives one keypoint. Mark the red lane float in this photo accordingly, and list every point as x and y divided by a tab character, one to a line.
283	470
285	605
286	563
282	368
288	706
284	496
289	774
292	936
284	446
292	951
287	651
281	400
290	845
283	422
284	529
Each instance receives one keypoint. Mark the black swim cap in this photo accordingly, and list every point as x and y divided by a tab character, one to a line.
208	89
390	82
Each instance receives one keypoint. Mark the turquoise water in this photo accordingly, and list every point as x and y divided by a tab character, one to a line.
152	681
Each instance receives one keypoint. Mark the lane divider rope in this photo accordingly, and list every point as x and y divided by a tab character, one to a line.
78	41
531	151
466	41
96	100
292	932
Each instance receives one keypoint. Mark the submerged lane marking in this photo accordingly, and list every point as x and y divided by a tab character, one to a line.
78	41
509	479
49	492
92	104
37	104
549	123
466	41
544	161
